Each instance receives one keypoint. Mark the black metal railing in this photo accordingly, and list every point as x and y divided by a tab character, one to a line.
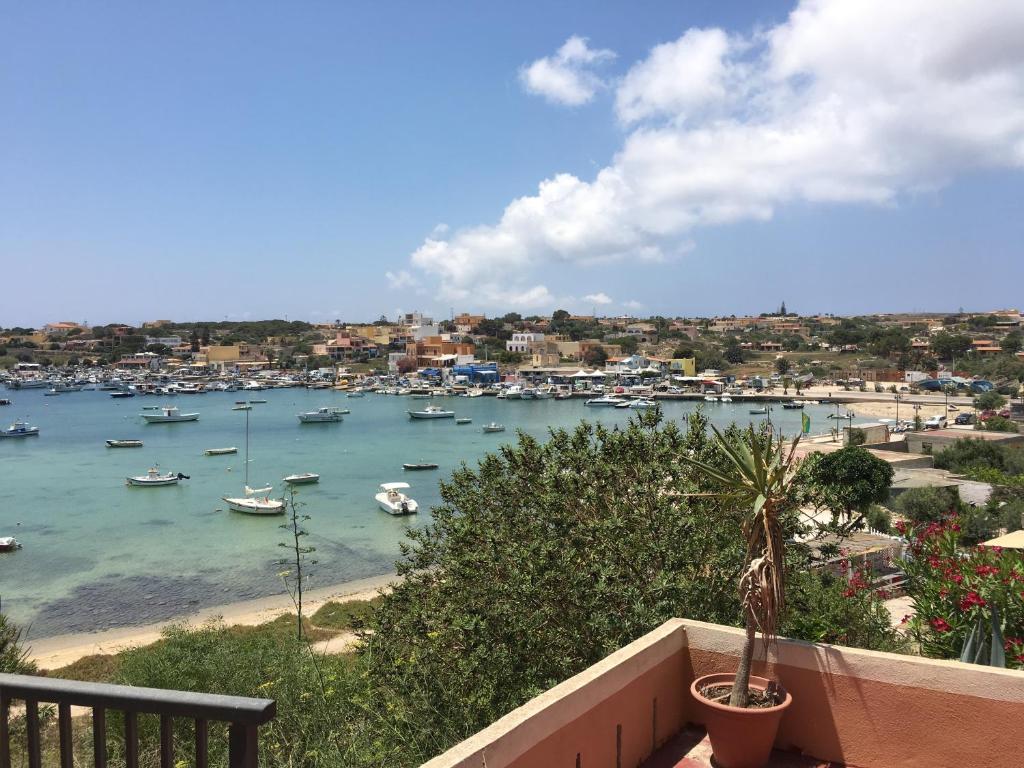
244	717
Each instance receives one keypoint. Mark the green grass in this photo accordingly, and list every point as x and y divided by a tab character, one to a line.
352	614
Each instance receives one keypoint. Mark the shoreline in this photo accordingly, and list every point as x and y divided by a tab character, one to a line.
60	650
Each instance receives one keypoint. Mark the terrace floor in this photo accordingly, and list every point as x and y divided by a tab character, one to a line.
690	748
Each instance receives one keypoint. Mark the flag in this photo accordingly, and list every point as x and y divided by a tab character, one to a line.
806	423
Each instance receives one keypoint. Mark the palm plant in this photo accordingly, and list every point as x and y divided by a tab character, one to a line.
759	478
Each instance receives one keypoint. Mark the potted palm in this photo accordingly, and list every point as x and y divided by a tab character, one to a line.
742	712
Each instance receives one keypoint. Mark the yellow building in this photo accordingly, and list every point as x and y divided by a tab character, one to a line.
683	366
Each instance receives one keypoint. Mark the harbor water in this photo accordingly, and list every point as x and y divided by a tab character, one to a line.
98	554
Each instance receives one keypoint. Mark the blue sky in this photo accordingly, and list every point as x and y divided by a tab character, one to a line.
200	160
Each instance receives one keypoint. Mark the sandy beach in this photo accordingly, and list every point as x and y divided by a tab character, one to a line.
59	651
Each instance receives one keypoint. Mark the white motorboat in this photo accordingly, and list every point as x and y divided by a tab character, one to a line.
475	393
302	478
153	478
124	443
20	429
241	407
710	399
642	404
432	412
394	502
356	393
544	393
256	501
321	416
515	392
494	427
168	414
725	399
9	544
605	401
528	393
220	451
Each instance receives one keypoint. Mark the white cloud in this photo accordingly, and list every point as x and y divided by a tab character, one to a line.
567	77
632	304
847	101
400	279
598	298
440	230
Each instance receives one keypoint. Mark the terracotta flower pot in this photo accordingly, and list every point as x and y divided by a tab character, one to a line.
740	737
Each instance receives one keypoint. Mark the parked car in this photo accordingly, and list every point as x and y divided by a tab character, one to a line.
936	422
964	418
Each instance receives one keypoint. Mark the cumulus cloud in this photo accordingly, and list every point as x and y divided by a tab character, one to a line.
632	304
846	101
567	77
598	298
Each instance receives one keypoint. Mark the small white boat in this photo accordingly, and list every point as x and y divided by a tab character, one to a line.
464	420
320	416
220	451
153	478
475	393
20	429
302	478
605	401
9	544
124	443
255	502
241	407
168	414
432	412
642	404
758	411
710	399
725	399
494	427
356	393
394	502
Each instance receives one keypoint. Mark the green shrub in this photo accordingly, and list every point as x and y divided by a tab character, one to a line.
13	655
352	614
997	424
927	505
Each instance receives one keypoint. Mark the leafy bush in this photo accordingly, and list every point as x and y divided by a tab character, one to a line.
989	401
997	424
951	590
927	505
352	614
971	453
13	655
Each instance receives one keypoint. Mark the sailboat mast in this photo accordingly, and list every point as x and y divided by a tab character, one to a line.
247	449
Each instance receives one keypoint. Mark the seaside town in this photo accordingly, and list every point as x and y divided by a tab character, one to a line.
670	413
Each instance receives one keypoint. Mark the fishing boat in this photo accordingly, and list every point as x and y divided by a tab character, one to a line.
302	478
256	501
605	401
794	405
464	420
168	414
420	466
9	544
320	416
394	502
153	478
20	429
431	412
220	451
124	443
494	427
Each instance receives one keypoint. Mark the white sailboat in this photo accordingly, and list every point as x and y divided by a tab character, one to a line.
256	501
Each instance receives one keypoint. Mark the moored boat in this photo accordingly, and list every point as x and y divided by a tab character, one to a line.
153	478
302	478
394	502
220	451
464	420
168	414
794	405
431	412
758	411
9	544
605	401
320	416
20	429
124	443
414	467
494	427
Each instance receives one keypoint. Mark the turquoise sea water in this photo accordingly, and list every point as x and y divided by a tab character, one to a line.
98	554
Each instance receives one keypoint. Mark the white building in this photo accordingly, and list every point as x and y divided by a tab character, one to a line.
523	342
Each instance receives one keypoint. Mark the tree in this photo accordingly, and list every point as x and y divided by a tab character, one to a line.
559	316
595	357
927	505
989	401
1012	342
949	346
782	365
759	478
734	352
847	482
406	365
629	344
294	579
997	424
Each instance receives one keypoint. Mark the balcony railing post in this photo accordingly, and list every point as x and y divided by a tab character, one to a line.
99	737
67	757
243	746
32	732
5	732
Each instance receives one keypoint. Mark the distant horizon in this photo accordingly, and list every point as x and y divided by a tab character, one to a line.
338	160
524	314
